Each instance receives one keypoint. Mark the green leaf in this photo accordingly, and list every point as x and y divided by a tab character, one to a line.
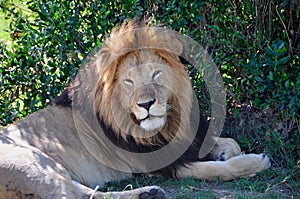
287	84
283	60
256	102
270	51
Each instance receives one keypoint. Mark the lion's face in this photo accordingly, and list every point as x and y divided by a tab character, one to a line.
145	81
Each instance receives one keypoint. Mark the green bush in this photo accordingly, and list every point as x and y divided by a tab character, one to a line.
48	48
274	79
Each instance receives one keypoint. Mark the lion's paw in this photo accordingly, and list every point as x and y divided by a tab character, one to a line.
260	162
225	149
226	154
247	165
152	194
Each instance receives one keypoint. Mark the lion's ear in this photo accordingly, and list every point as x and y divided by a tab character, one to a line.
175	45
170	50
162	39
172	45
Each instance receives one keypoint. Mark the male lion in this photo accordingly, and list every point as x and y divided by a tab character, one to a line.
131	110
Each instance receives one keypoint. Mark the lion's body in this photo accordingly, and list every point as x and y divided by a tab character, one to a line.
34	140
143	101
64	148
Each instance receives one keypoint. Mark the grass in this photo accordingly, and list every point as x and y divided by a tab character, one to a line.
263	186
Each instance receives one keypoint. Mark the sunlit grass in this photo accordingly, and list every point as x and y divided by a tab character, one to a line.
4	25
5	20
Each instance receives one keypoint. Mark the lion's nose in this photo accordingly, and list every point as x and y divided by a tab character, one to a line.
146	105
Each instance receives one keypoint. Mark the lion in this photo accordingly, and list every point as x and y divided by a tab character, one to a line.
117	118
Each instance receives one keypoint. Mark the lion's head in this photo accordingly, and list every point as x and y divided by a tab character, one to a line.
145	86
143	90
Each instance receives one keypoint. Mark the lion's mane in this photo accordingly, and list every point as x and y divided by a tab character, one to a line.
128	39
114	120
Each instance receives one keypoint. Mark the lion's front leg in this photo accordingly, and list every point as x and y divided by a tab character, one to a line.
148	192
225	149
236	167
26	171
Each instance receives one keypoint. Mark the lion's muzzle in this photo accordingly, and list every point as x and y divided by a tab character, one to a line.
146	105
149	114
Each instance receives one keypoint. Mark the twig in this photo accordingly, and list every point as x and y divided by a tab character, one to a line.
94	191
128	186
286	30
26	10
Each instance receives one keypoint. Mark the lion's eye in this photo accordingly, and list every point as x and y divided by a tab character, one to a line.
156	74
128	82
